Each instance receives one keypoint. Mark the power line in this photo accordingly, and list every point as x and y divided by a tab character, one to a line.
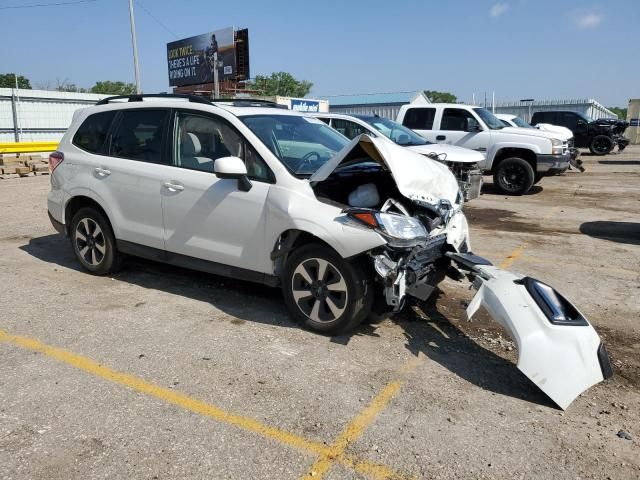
154	18
56	4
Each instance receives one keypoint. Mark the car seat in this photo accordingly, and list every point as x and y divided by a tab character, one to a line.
190	148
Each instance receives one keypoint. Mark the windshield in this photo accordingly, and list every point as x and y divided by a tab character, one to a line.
399	134
520	123
489	118
302	144
584	117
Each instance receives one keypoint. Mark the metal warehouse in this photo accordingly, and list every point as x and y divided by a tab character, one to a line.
587	106
384	104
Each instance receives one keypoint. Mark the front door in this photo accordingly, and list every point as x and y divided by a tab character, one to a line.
453	126
207	217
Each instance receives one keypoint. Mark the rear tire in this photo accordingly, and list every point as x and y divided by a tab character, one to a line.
93	242
324	292
601	145
514	176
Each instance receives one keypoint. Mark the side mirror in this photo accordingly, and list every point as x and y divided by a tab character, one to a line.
232	167
471	125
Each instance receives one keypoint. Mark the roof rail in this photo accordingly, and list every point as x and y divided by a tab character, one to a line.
249	102
140	96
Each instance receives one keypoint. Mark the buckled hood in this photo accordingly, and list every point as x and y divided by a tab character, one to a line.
417	177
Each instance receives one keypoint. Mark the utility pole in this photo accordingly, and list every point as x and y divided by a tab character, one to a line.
216	80
134	44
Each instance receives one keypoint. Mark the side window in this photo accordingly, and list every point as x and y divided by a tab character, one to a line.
455	119
349	129
570	120
201	140
419	118
91	135
140	135
505	123
325	120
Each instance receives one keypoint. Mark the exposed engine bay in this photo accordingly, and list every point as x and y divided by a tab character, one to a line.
369	195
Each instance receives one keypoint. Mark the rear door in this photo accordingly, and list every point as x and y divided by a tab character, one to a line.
121	167
421	120
207	217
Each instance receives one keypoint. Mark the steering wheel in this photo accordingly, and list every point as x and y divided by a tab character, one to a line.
308	156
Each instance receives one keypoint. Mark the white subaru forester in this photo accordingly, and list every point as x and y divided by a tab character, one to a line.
244	189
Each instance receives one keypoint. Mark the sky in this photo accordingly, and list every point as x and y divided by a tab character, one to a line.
520	49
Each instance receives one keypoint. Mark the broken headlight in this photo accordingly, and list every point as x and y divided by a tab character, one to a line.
398	230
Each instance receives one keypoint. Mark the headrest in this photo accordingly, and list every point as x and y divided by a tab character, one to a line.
190	145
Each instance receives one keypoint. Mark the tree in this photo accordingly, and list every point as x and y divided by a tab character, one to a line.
281	83
8	80
620	112
440	97
113	88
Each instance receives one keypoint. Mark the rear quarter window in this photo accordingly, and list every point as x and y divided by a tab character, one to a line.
92	134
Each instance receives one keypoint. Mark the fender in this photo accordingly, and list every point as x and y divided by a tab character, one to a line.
558	349
84	192
496	147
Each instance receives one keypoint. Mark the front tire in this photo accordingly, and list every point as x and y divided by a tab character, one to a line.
324	292
514	176
601	145
93	242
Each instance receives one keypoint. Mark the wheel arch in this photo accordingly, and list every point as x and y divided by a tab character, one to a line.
81	201
508	152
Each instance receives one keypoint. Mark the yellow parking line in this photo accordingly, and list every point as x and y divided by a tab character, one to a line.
513	256
358	425
181	400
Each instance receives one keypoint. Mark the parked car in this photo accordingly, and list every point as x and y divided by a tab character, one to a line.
463	162
516	158
599	136
247	190
563	133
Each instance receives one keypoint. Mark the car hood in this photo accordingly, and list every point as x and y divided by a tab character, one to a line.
449	153
417	177
562	132
531	132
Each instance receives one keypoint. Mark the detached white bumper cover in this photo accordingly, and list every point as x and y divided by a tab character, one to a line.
558	349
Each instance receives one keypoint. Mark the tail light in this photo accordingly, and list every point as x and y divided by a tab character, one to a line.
55	159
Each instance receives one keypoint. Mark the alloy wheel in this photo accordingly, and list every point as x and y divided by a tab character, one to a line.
90	241
319	290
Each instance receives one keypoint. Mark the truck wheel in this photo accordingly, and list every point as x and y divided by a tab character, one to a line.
324	292
601	145
537	179
514	176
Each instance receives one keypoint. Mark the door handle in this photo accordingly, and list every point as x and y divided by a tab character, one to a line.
173	187
102	172
441	137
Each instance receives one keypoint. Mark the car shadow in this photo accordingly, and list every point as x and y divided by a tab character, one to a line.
491	189
619	162
433	334
621	232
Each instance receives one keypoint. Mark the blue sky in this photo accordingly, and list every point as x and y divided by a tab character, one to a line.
520	48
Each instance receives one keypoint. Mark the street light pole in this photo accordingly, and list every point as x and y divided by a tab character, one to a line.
134	44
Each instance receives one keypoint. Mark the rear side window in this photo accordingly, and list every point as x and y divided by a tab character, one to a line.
93	131
419	118
140	135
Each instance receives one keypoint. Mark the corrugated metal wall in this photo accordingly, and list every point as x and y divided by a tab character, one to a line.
41	114
384	110
588	106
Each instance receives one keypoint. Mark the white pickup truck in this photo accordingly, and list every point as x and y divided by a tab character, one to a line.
516	159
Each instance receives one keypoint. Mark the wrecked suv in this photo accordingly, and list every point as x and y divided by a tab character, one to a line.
345	228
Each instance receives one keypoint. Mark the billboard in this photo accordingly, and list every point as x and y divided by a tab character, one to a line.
190	60
302	105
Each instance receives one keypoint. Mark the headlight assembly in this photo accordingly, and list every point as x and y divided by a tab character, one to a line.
398	230
556	146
